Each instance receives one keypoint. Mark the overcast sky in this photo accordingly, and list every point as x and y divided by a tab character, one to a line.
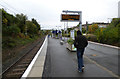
47	12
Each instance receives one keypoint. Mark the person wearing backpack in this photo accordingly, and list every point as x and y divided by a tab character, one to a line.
80	43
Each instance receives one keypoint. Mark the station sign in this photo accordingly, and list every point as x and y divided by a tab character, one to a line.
70	17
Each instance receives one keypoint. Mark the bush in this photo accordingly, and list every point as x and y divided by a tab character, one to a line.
109	35
70	41
99	34
14	30
21	35
27	37
8	42
115	22
91	37
92	28
11	30
66	35
83	30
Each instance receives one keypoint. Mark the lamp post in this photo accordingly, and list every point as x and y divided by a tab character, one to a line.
86	27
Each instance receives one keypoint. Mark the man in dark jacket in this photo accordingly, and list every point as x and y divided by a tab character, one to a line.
80	43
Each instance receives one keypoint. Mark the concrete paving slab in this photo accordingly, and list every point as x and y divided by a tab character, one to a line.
40	62
35	69
36	72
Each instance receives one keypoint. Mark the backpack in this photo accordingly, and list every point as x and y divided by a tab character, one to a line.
76	44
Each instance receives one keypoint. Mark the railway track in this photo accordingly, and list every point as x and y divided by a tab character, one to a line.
17	69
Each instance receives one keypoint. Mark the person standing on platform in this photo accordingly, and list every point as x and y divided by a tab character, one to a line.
80	43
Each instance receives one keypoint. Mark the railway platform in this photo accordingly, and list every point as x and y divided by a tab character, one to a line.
54	60
35	69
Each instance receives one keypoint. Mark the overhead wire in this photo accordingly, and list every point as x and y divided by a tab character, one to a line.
12	9
7	8
11	6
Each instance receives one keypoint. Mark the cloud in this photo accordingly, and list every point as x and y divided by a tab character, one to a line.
47	12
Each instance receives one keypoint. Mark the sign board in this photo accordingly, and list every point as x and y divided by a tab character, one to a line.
70	17
72	34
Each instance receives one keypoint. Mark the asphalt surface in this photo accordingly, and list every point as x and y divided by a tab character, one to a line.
60	62
105	56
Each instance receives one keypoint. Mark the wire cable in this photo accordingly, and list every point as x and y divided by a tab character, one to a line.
8	9
11	6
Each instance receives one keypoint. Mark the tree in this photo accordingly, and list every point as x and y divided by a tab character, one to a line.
90	28
21	21
93	28
7	19
36	23
31	28
115	22
11	31
109	35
